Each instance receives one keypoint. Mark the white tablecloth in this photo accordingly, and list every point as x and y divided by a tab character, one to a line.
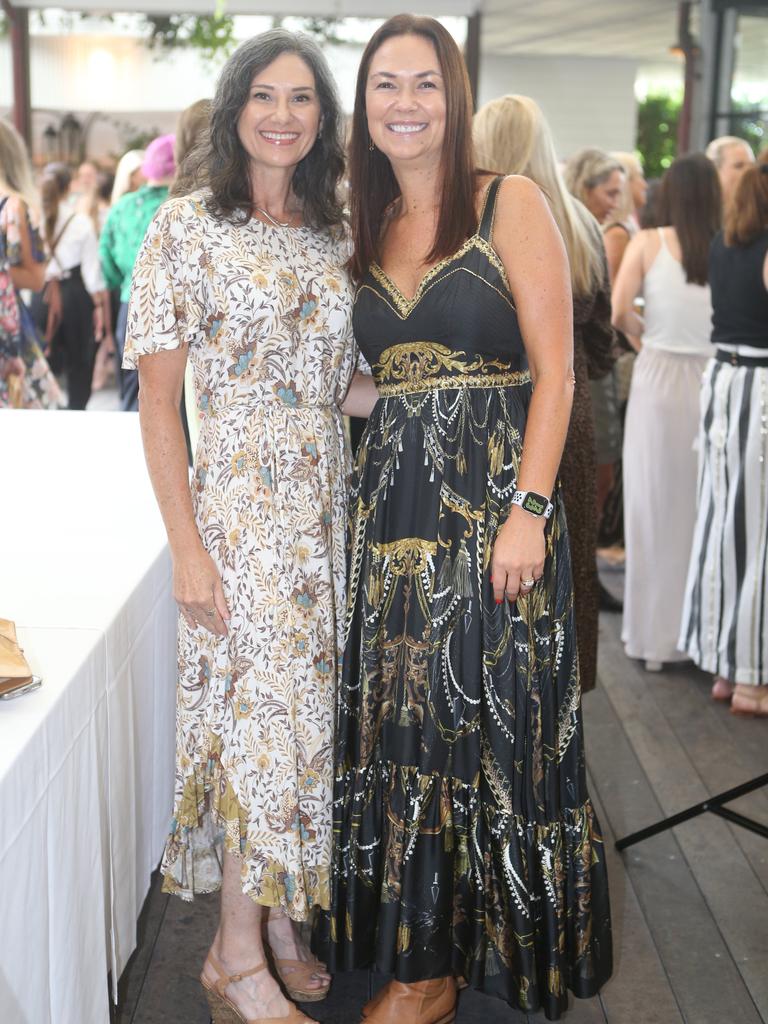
86	762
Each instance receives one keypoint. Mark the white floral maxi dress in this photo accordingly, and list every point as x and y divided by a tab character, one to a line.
266	313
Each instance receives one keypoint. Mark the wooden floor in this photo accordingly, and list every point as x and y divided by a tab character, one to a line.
690	907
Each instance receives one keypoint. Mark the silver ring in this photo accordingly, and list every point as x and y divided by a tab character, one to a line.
211	612
527	583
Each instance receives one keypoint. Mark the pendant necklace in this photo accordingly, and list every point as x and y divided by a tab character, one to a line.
272	220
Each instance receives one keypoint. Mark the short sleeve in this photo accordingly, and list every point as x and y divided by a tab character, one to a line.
165	309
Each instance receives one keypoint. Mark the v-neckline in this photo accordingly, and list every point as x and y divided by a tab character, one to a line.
379	272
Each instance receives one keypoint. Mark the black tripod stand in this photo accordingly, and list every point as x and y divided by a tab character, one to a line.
713	804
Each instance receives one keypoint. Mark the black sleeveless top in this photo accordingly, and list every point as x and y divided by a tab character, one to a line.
739	295
462	312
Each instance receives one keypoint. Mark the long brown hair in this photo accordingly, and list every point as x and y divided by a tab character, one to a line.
54	185
223	164
747	215
690	201
373	185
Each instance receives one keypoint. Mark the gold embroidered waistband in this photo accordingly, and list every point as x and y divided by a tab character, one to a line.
513	378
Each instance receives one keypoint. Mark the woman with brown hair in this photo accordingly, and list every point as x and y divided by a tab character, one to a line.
668	265
725	620
465	843
246	278
512	135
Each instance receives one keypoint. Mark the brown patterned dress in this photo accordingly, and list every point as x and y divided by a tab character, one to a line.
592	359
267	316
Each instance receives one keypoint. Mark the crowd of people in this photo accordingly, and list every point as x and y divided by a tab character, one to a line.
379	697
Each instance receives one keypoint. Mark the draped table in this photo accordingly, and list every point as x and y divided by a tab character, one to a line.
86	761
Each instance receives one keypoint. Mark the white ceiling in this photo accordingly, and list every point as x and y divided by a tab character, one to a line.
641	30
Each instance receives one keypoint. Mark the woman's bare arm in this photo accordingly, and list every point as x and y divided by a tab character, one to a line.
361	396
196	580
531	248
28	273
616	240
627	287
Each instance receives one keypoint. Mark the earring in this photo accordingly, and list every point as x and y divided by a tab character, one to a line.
371	146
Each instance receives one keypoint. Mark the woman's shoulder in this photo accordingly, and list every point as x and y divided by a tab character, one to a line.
518	196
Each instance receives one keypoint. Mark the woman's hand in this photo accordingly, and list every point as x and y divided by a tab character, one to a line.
199	593
518	555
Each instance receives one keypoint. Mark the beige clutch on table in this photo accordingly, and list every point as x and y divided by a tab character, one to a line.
15	674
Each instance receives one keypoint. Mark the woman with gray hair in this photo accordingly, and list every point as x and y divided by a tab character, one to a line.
599	181
246	278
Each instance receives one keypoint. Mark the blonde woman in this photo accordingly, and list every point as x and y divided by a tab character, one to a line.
128	176
22	265
622	225
512	136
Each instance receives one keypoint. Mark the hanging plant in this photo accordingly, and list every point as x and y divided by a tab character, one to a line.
209	34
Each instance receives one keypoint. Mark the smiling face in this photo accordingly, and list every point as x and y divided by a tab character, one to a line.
606	196
280	120
405	101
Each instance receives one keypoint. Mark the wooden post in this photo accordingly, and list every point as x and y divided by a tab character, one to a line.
18	24
472	54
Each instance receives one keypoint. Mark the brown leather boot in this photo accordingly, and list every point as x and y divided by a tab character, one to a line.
421	1002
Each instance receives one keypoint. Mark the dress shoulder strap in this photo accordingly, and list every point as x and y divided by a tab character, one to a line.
485	231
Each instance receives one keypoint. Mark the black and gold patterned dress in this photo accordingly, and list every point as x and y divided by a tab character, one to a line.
464	837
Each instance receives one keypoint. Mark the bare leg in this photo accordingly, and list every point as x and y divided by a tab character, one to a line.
238	947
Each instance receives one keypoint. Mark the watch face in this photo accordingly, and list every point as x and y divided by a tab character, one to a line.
535	504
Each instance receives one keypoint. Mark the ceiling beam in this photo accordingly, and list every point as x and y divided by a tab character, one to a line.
18	32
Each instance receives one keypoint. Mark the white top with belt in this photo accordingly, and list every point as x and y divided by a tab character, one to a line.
77	247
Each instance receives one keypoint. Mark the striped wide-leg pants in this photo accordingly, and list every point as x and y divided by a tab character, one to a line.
725	615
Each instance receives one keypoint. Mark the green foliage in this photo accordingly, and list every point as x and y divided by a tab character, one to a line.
657	121
750	123
210	35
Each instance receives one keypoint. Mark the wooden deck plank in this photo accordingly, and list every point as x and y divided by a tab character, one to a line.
148	929
728	883
639	990
706	983
718	743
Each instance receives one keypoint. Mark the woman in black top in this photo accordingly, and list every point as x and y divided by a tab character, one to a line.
725	620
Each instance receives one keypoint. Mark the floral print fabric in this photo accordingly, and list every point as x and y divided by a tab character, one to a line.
18	334
266	313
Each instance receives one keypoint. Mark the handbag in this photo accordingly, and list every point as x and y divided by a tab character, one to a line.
15	674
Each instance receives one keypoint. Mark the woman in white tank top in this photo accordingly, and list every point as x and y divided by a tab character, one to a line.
668	267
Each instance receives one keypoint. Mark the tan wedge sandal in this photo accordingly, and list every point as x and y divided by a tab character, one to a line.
295	974
224	1011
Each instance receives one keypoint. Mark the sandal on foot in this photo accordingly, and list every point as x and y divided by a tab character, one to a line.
224	1011
745	703
295	974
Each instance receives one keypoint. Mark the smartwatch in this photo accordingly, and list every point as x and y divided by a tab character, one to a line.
533	503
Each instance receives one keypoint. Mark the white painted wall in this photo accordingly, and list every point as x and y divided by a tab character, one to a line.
118	77
588	101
